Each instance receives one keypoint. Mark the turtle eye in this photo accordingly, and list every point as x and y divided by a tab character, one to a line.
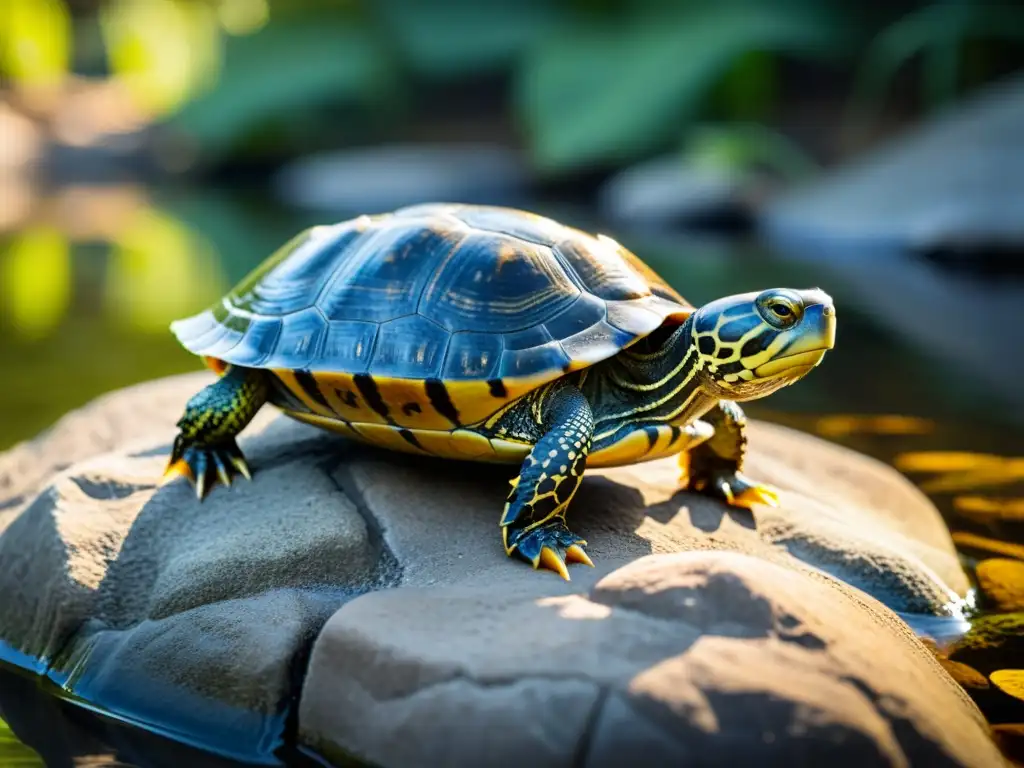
779	311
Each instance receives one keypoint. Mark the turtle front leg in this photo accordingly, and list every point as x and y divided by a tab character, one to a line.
714	467
205	450
533	524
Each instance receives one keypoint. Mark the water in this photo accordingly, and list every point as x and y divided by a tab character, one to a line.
87	291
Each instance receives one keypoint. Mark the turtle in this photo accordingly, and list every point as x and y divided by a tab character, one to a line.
484	333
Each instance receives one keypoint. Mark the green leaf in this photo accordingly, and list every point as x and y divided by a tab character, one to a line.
739	147
35	41
14	754
608	94
454	37
936	30
282	69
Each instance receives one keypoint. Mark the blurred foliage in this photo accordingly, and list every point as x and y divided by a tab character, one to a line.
14	754
35	42
589	82
740	146
937	33
36	283
164	51
611	91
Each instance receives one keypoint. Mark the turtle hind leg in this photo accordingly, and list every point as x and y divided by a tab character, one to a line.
714	468
205	450
533	523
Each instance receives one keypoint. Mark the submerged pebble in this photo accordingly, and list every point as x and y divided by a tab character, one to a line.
1002	582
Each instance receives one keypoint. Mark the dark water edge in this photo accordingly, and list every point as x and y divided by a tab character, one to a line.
59	729
880	392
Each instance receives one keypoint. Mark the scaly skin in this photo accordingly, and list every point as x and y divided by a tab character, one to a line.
533	523
205	450
714	467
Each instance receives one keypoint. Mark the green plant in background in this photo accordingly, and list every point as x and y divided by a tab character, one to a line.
742	146
590	82
14	754
35	281
936	33
35	42
613	91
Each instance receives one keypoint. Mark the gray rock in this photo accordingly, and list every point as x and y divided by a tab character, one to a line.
668	191
198	618
957	180
384	178
704	658
158	608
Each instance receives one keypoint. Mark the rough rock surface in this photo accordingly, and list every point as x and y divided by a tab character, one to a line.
705	658
197	616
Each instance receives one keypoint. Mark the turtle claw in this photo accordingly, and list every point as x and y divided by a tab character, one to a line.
735	489
576	554
757	494
205	465
176	469
550	546
238	462
550	559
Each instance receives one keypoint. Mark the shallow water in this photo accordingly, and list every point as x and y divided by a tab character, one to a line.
87	291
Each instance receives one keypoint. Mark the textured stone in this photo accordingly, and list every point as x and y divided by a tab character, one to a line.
711	657
198	618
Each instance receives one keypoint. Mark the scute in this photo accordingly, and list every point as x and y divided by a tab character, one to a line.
585	312
411	347
438	291
601	269
350	344
289	280
259	341
302	334
524	226
494	283
473	356
384	275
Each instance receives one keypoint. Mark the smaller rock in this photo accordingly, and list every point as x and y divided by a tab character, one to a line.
381	179
967	676
993	642
668	191
986	546
1010	738
1009	681
1002	582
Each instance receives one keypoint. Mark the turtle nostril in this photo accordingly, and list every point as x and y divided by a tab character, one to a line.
829	311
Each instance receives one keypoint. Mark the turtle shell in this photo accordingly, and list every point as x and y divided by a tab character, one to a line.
468	301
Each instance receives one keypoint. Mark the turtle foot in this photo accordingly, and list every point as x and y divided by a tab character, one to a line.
549	545
206	465
734	488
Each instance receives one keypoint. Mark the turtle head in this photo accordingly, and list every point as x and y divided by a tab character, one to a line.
755	343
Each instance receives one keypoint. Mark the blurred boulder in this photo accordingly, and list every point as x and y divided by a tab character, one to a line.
954	183
668	192
373	179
